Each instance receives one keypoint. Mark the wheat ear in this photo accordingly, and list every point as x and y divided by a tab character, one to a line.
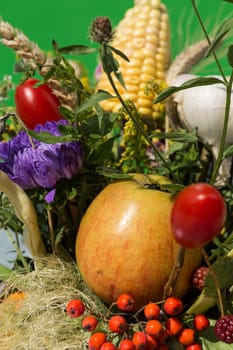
35	58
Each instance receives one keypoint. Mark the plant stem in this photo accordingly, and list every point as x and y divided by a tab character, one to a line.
213	274
224	130
208	39
137	124
18	251
168	288
51	229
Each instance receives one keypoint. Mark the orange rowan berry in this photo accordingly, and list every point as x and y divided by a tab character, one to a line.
151	311
96	340
125	302
108	346
201	322
173	306
153	342
186	337
153	327
194	346
89	323
140	340
126	344
174	325
117	324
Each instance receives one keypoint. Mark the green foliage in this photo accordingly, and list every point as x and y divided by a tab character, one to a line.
222	273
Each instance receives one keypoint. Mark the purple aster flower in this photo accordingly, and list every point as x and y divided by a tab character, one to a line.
40	164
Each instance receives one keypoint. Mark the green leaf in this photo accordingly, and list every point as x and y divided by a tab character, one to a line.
4	272
230	55
119	53
46	137
200	81
229	1
224	29
72	194
172	188
174	147
222	268
113	173
110	64
179	136
101	95
76	49
228	152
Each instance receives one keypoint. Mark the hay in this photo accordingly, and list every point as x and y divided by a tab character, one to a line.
40	322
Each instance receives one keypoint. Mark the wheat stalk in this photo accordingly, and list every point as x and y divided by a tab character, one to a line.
34	57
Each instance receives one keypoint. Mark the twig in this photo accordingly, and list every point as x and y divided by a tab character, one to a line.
51	229
215	278
168	288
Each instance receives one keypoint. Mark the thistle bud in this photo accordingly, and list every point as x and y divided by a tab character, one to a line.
101	30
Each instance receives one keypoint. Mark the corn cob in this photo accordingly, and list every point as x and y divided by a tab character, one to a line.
143	35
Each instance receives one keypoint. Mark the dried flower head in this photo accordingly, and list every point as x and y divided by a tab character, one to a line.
40	164
101	30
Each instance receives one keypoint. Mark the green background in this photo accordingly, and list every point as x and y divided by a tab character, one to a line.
67	21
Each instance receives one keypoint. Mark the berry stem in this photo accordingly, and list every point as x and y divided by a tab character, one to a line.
169	286
218	290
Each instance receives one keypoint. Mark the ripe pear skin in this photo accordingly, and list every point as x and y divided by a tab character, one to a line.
125	245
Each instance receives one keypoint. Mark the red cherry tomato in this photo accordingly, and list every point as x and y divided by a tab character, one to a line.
36	104
198	215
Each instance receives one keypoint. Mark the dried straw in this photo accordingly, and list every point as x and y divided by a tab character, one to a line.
40	322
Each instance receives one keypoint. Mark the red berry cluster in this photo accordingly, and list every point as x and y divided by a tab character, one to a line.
152	327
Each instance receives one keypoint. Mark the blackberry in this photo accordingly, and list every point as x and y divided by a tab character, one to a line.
199	277
224	329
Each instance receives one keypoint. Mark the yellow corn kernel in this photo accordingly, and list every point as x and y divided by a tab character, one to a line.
143	35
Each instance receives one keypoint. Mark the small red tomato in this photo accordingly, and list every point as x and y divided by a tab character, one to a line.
127	344
198	215
108	346
89	323
151	311
97	340
153	328
174	325
140	340
201	322
186	337
75	308
36	104
125	302
194	346
117	324
173	306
